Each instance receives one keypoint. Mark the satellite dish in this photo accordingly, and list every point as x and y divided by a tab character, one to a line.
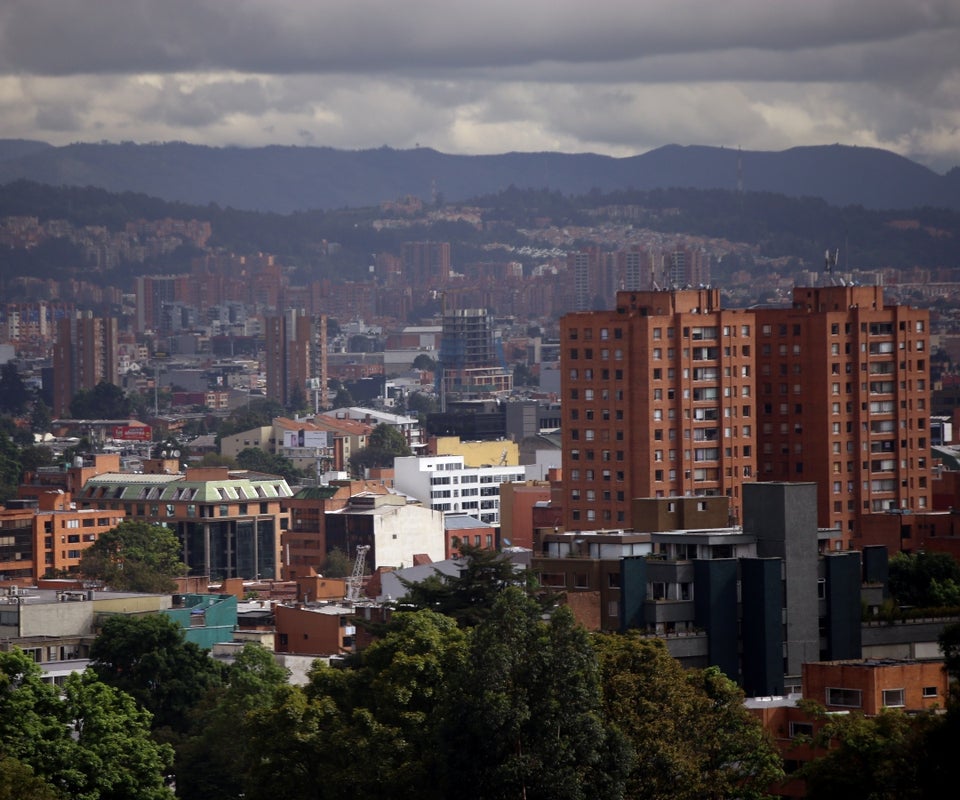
176	454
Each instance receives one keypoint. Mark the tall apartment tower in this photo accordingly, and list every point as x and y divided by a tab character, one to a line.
86	353
843	399
426	265
471	357
669	394
658	401
296	357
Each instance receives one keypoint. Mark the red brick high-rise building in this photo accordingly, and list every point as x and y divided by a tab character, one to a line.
296	356
668	394
658	400
843	397
86	354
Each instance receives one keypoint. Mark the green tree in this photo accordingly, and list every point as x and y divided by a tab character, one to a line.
212	761
35	455
470	595
424	362
924	579
40	417
89	740
169	446
690	736
351	732
257	414
148	658
19	782
104	401
421	404
383	445
135	556
337	564
528	720
10	467
870	758
257	460
14	395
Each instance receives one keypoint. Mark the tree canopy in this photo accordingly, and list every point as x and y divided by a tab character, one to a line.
103	401
925	580
148	658
135	556
257	460
383	445
83	741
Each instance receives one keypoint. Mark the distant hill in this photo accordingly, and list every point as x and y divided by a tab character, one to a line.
287	179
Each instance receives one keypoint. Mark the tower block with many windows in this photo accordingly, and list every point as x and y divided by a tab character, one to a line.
296	356
668	394
658	401
843	400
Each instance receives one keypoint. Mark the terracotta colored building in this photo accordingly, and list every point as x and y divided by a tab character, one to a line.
323	630
86	354
669	394
304	544
517	502
843	399
48	535
658	401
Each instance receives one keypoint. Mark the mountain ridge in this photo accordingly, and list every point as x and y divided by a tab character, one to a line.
288	178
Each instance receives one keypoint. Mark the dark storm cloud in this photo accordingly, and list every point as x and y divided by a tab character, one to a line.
61	37
615	76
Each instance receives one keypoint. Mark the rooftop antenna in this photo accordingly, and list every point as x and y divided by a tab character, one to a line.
830	261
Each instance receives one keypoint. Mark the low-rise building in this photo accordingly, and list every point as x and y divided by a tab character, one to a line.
395	530
229	522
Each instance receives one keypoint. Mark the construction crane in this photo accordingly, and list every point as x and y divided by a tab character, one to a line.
355	583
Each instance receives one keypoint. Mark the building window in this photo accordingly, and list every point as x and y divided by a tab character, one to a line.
848	698
930	691
893	698
804	729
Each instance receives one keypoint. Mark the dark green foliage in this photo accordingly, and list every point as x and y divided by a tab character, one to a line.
213	760
14	396
925	580
384	444
423	361
88	742
19	782
258	414
689	733
10	466
257	460
872	758
528	720
40	417
104	401
148	658
135	556
469	596
337	564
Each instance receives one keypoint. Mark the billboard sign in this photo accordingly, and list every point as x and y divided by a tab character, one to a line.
132	433
314	439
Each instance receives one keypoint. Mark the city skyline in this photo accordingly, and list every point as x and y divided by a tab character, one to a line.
613	77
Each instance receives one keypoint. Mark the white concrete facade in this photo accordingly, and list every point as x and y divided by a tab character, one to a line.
444	483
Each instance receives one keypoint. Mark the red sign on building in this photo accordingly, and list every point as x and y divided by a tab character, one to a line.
132	433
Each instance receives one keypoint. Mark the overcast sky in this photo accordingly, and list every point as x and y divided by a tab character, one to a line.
618	77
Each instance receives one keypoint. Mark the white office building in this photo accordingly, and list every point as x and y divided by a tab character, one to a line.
445	484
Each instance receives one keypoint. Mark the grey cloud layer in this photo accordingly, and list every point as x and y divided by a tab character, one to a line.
615	76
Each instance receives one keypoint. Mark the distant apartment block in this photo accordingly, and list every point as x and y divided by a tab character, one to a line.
86	354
